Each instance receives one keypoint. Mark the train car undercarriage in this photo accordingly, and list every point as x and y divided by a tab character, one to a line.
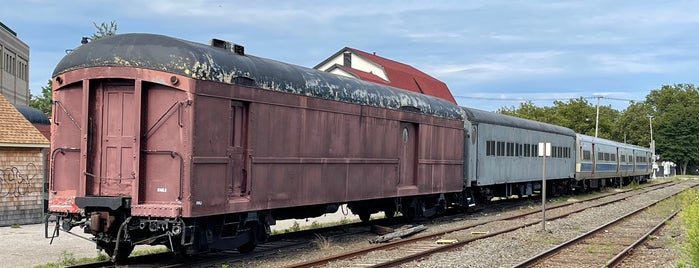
117	232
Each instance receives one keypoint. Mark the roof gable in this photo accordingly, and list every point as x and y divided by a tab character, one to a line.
359	74
399	75
17	131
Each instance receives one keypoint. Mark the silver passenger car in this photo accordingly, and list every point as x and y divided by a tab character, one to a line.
501	154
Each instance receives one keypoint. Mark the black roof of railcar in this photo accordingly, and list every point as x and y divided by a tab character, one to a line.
33	115
480	116
206	62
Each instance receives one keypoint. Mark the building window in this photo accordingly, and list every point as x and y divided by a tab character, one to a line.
347	59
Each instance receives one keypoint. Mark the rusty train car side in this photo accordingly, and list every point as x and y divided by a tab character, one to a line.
156	140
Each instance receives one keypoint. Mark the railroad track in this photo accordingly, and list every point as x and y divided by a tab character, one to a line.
417	247
286	242
277	243
615	238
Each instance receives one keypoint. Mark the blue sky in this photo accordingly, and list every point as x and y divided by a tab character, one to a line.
490	53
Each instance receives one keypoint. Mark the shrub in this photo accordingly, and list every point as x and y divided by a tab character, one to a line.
690	218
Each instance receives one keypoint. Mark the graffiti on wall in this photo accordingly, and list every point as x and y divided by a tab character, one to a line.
17	181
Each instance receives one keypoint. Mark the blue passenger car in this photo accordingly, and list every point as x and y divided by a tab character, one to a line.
601	162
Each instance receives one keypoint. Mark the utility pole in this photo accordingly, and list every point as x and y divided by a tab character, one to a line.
652	145
597	118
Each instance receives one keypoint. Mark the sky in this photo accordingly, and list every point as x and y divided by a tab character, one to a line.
491	54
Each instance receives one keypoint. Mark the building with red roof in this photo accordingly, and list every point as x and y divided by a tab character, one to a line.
355	63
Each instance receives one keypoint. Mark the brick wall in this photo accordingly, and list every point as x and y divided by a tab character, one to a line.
21	186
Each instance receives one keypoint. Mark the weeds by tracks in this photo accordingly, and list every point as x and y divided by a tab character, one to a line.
690	219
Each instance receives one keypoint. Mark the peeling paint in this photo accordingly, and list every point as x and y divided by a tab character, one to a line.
204	62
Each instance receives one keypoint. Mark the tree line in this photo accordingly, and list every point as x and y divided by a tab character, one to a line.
672	111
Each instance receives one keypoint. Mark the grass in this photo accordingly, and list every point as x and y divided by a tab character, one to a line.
690	217
68	259
295	227
322	242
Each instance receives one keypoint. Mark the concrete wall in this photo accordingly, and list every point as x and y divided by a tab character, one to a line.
21	186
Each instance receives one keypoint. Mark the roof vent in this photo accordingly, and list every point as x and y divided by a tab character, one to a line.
232	47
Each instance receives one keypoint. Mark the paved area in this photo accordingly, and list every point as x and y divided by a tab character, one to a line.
26	246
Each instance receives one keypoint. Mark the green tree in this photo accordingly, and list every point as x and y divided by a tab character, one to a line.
104	30
676	110
678	135
633	125
576	114
527	110
43	101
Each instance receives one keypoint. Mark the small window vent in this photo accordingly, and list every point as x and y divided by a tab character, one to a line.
235	48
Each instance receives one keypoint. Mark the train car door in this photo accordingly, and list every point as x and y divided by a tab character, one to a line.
117	134
593	157
408	154
237	142
616	159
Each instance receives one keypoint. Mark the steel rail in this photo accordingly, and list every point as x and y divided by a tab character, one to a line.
363	251
539	257
614	261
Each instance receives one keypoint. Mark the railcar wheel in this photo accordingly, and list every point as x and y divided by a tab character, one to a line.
247	247
122	254
252	240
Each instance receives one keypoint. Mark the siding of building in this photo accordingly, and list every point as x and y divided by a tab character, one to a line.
21	168
21	186
14	67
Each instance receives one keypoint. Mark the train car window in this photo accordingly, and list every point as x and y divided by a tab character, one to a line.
586	155
622	158
535	150
600	156
490	148
606	157
613	157
501	148
510	149
526	148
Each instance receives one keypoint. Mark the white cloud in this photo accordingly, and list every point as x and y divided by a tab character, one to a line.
502	66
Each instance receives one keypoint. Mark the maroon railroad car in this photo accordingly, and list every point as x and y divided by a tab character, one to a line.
157	140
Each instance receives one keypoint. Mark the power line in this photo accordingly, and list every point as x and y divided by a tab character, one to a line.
540	99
